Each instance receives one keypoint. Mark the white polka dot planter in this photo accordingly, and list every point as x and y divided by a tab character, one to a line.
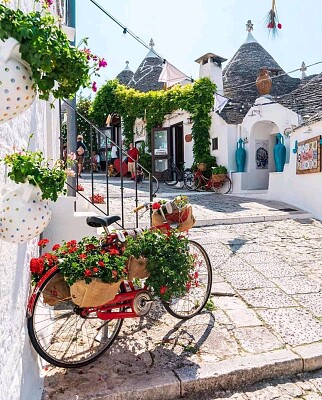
16	91
23	215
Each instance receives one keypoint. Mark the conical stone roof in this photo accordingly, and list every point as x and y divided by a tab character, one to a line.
146	76
126	75
240	74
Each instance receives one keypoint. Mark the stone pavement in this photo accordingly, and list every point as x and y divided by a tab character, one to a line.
267	320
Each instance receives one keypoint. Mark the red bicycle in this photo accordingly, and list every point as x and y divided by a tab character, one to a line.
70	336
216	183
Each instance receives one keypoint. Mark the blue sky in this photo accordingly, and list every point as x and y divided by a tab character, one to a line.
183	30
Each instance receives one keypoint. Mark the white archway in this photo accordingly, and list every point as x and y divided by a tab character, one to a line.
260	157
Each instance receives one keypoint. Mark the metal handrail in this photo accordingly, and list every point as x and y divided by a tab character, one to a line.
151	178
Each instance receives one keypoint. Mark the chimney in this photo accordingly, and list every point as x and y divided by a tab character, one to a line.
210	67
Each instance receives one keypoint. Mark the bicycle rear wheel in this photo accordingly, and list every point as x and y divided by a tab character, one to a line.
222	187
192	182
197	295
170	177
63	337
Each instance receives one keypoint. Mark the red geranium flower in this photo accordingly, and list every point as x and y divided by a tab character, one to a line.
156	206
90	247
56	247
88	272
114	252
43	242
114	273
101	263
82	256
37	265
163	289
95	269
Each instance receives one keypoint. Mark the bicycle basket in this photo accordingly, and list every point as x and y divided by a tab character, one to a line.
202	166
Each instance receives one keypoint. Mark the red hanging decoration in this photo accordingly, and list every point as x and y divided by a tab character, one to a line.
272	20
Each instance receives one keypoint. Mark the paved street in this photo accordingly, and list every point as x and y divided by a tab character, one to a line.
267	320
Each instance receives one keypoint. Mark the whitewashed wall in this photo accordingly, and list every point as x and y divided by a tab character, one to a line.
302	190
19	371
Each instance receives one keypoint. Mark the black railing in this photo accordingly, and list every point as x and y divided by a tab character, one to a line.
152	181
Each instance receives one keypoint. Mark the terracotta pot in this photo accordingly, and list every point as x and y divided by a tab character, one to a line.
263	82
16	85
23	214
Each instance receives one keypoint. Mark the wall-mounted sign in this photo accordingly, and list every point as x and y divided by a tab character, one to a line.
188	138
309	156
261	154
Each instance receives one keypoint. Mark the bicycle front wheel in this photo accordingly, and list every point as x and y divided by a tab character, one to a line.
63	337
222	187
197	295
170	177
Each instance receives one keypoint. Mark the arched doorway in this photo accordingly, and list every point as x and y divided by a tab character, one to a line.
260	160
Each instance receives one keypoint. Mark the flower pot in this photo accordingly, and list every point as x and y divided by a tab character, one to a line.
202	166
93	294
189	222
137	268
56	291
279	153
16	85
240	156
218	177
23	215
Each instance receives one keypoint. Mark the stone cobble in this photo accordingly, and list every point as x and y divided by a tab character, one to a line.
267	297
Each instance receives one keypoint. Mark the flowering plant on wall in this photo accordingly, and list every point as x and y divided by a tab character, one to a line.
27	166
57	67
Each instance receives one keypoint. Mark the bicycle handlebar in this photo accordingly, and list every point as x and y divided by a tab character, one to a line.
136	209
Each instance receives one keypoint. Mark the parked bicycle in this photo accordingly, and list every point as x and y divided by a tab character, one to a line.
218	184
70	336
172	175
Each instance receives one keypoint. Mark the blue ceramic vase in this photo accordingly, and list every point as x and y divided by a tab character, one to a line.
279	153
240	156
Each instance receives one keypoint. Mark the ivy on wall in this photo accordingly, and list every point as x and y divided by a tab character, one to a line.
197	99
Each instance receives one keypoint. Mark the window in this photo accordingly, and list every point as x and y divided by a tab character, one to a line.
215	143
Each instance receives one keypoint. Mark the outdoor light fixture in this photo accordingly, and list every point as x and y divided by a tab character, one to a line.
189	120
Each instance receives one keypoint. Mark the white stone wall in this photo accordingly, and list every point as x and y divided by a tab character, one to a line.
300	190
19	370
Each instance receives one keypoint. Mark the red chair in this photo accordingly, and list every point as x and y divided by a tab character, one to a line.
118	167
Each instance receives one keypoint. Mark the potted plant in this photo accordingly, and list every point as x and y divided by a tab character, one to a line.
177	211
92	270
169	261
219	173
37	55
24	211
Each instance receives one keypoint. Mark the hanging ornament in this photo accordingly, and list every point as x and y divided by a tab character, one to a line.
272	21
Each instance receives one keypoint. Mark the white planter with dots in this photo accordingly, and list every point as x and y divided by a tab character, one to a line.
23	215
16	91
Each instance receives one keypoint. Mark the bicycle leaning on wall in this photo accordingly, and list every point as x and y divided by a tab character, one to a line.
69	336
172	175
220	184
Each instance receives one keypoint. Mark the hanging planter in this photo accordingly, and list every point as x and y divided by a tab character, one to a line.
33	46
16	85
23	214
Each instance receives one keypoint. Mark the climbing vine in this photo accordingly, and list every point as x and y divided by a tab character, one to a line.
197	99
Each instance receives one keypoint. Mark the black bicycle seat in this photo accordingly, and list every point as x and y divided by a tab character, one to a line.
96	222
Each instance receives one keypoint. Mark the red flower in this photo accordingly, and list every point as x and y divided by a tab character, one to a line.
37	265
196	274
103	251
90	247
279	26
43	242
114	252
72	243
156	206
95	269
163	289
101	263
82	256
72	250
188	286
114	273
88	272
56	247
